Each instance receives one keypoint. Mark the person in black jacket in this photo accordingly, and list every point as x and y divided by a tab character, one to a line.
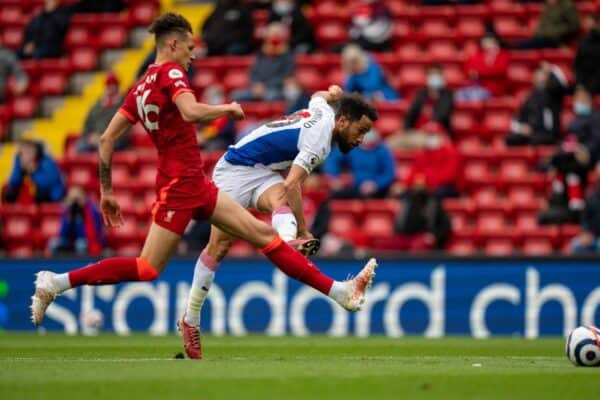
587	58
229	29
433	103
288	12
538	121
588	239
44	34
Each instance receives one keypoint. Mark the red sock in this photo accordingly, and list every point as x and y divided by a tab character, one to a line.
296	266
113	270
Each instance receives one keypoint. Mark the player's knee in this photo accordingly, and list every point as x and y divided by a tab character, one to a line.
146	271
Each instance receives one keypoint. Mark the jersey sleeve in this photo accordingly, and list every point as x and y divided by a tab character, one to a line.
314	144
175	81
129	108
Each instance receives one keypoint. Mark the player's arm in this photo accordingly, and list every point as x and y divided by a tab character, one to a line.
106	147
192	111
334	93
293	192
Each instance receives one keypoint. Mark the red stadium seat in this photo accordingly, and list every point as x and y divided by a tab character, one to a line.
342	224
204	77
499	247
142	13
330	34
470	28
462	247
378	225
537	247
464	123
112	37
497	123
386	124
54	65
235	79
12	37
79	36
23	107
83	59
241	249
52	84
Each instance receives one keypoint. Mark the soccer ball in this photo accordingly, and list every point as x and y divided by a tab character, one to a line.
583	346
92	321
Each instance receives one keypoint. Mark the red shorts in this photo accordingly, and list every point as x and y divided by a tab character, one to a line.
181	199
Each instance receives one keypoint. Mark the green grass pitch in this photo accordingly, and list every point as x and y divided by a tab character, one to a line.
257	367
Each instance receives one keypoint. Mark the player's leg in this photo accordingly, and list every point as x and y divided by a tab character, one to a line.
236	221
204	273
272	198
158	248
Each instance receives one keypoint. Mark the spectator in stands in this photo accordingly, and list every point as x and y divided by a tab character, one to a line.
219	133
433	103
44	34
436	168
371	166
10	66
272	66
81	226
574	158
364	75
588	239
100	115
587	58
486	71
558	25
538	121
35	176
288	12
95	6
372	25
295	95
228	29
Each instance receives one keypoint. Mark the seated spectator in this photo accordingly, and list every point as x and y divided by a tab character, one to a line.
558	25
538	121
80	228
10	66
587	57
486	71
295	95
272	66
288	12
436	169
372	25
217	134
588	240
44	34
35	176
433	103
228	29
100	115
371	165
364	75
570	165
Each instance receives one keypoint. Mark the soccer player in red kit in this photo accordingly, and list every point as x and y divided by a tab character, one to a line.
163	101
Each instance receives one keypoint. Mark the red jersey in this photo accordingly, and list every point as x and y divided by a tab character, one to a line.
152	102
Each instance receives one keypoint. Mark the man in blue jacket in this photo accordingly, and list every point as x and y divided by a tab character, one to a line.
371	165
35	176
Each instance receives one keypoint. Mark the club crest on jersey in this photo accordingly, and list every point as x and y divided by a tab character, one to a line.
175	74
169	215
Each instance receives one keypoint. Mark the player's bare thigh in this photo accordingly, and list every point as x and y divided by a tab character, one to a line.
236	221
272	198
159	246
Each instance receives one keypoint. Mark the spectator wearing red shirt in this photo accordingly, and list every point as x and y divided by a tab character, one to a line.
486	69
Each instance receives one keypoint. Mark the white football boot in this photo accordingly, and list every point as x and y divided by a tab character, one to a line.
45	293
357	287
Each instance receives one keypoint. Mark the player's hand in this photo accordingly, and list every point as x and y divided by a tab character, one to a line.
111	212
236	111
335	92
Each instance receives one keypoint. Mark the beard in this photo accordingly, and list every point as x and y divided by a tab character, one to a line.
345	147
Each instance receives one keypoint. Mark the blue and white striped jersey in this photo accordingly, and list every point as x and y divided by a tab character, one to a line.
303	138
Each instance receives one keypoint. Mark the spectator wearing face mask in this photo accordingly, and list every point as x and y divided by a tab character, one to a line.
574	158
100	115
372	25
538	121
371	166
587	58
219	133
289	13
365	76
228	29
295	95
486	71
272	66
433	103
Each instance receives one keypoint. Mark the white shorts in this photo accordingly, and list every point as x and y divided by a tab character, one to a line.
244	184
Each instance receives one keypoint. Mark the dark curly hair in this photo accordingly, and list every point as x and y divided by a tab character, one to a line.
169	23
353	107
